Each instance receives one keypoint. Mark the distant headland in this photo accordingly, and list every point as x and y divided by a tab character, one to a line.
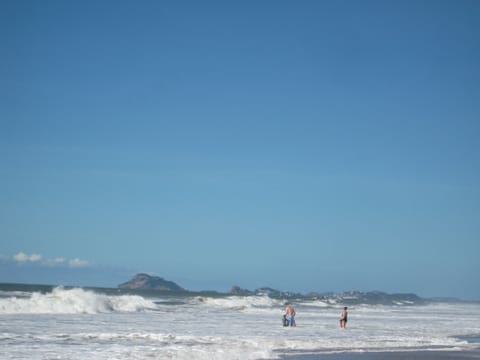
143	281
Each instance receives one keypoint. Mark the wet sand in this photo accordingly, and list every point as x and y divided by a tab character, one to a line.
400	355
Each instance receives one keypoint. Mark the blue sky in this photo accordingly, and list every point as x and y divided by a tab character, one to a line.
302	145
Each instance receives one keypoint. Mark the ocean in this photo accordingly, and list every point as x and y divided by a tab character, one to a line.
42	322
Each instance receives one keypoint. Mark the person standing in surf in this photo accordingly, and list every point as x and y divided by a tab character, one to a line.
343	318
289	317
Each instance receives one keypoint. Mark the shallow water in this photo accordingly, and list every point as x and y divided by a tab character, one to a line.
79	324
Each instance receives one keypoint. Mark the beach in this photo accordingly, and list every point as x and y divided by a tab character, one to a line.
400	355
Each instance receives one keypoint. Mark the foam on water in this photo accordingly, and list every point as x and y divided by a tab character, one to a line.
241	302
78	324
72	301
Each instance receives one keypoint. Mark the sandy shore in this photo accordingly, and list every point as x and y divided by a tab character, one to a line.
401	355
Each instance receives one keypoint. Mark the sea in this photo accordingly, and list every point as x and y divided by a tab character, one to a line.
47	322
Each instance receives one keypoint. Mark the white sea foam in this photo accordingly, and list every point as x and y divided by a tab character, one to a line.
242	302
103	326
73	301
320	303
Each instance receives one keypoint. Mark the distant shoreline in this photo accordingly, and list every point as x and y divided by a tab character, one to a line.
108	290
350	298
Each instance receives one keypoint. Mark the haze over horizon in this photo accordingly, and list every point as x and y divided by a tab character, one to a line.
305	146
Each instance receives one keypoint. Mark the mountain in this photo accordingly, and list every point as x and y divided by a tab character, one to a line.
144	281
147	282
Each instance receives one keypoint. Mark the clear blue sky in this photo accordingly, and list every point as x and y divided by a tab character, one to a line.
302	145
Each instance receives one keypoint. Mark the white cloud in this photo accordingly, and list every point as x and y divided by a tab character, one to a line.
77	263
35	257
22	257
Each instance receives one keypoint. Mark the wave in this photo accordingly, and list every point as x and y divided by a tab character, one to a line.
264	302
73	301
241	302
119	345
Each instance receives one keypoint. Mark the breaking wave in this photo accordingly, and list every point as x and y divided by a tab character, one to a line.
241	302
73	301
